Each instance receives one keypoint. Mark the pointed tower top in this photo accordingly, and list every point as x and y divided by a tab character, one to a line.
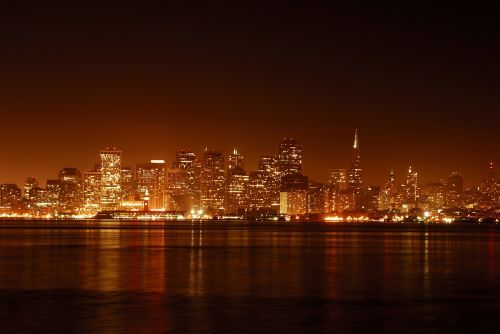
356	144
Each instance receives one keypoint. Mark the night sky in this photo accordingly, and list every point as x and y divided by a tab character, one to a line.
421	83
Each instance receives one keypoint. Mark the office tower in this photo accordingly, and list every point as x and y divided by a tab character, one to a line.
411	188
269	172
454	190
236	191
257	194
456	182
151	183
337	178
212	182
293	194
234	161
490	189
71	190
92	191
177	190
128	183
317	197
30	184
10	195
433	196
370	198
355	181
111	171
185	160
290	157
389	198
53	188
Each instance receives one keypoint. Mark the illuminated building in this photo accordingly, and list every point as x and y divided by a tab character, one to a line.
257	194
389	198
411	188
151	182
370	198
454	190
337	178
53	188
111	171
71	192
212	182
41	201
185	160
235	161
179	197
30	184
317	198
236	191
355	181
490	189
92	191
128	184
10	196
433	196
290	157
294	194
269	173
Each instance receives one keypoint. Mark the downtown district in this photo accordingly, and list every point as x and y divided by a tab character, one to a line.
211	186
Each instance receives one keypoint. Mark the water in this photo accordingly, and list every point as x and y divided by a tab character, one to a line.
237	277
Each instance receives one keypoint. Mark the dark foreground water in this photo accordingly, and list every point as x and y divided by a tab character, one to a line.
238	278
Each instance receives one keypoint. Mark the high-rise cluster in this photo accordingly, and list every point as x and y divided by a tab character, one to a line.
212	184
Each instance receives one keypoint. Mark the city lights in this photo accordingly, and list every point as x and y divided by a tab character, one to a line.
215	187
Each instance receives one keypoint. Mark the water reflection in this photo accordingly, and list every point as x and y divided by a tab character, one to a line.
200	276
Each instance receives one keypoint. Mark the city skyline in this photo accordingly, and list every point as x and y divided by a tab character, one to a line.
214	184
148	78
46	170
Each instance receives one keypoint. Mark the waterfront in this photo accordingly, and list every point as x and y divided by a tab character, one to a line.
248	277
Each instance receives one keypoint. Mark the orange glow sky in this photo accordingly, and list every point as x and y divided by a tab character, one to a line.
421	85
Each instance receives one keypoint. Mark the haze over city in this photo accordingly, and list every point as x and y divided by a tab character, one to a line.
420	85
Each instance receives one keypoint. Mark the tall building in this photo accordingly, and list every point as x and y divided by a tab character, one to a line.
10	195
53	188
30	184
269	172
337	178
185	159
389	198
317	198
290	157
212	182
71	192
128	183
355	173
111	172
294	194
92	191
151	183
179	198
411	188
235	161
236	192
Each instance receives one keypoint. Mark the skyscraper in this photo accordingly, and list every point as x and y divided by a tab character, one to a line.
355	172
128	183
92	191
212	182
411	188
151	183
290	157
337	178
70	196
234	161
111	171
185	160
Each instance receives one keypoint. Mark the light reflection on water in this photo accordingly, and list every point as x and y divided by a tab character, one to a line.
249	277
